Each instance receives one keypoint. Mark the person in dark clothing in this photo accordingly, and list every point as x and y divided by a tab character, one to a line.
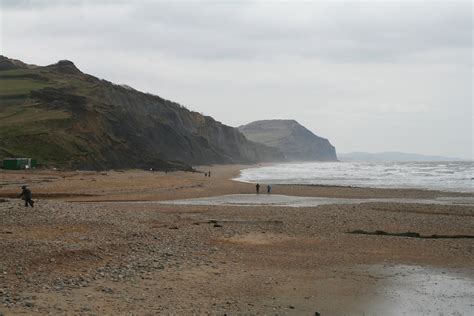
269	189
209	174
26	195
257	187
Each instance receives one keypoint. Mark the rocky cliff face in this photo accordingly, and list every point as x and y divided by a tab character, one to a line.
294	140
67	118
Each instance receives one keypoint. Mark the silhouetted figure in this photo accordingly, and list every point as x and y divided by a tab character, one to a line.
269	189
209	174
257	187
205	174
26	195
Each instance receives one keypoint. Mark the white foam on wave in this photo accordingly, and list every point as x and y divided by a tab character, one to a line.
443	176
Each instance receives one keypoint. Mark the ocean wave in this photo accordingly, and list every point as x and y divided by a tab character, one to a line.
451	176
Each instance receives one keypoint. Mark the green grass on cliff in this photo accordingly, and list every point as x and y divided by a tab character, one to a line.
25	128
24	115
27	132
18	113
10	87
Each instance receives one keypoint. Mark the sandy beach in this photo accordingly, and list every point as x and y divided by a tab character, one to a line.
102	243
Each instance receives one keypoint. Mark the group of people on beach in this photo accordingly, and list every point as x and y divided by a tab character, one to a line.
269	188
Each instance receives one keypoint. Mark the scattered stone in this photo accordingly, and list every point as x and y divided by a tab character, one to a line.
107	290
86	309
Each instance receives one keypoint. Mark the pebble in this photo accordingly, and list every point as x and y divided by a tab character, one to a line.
111	252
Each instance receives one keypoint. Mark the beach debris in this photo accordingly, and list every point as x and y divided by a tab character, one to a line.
407	234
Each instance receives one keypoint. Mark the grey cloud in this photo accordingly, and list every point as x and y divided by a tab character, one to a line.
340	31
241	30
44	4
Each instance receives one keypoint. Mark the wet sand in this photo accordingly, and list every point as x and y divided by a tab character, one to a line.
280	200
77	253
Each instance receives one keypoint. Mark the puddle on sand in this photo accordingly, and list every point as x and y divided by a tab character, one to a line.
415	290
299	201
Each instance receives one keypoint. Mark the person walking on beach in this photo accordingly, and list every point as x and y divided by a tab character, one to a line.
209	174
26	195
269	189
257	187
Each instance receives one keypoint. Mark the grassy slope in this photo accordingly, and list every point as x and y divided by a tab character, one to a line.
26	129
65	127
19	86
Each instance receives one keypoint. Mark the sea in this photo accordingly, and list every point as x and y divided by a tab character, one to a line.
451	176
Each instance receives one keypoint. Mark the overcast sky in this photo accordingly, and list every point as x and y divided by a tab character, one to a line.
369	76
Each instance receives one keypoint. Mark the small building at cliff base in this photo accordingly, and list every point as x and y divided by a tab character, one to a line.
18	163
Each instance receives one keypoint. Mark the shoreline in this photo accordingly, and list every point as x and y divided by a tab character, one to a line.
146	185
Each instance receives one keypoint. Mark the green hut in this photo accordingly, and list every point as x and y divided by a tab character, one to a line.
18	163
